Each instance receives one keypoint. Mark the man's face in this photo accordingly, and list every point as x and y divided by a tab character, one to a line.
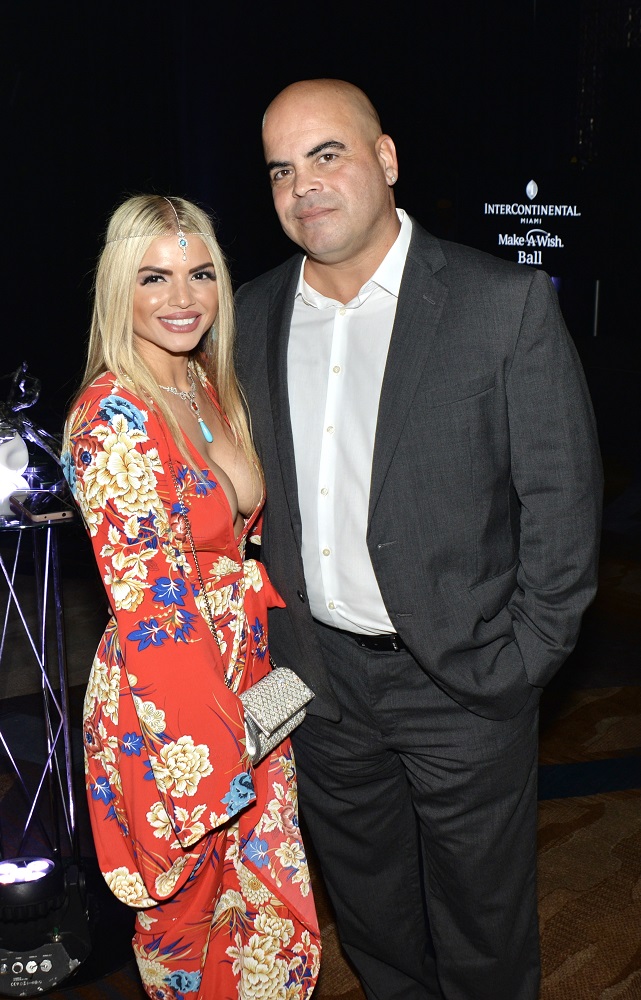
330	173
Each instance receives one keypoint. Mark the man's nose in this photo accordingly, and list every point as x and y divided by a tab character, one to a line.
304	182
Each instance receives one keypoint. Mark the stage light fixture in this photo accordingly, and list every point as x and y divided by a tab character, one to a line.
44	917
44	925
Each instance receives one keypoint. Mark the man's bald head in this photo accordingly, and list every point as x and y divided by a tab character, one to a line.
332	173
337	93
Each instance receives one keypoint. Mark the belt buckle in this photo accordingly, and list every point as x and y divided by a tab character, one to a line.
385	643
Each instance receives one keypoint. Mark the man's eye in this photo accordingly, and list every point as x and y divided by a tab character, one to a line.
279	175
326	157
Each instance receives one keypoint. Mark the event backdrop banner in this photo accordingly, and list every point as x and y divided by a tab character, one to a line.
533	219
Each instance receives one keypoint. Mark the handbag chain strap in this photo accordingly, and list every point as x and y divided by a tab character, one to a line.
208	615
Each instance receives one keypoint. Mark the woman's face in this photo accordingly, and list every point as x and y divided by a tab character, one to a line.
175	300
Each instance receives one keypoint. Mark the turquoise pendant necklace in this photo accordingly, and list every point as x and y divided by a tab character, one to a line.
190	399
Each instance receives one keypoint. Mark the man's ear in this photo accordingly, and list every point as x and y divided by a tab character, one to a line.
386	152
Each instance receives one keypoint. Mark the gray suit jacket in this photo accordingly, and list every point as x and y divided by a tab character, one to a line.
486	482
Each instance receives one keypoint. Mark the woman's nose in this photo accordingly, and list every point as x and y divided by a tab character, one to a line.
182	294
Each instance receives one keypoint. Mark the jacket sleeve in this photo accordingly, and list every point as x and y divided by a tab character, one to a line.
556	471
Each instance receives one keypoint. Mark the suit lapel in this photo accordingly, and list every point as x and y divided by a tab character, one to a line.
278	324
420	303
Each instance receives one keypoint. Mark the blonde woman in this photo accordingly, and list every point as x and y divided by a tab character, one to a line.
160	460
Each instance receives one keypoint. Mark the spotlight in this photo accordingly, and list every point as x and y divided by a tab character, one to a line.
44	927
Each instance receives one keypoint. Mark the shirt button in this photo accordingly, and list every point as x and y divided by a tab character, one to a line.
342	311
331	605
336	369
325	552
330	429
324	491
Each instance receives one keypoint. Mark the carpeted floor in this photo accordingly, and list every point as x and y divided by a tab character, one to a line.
590	791
590	817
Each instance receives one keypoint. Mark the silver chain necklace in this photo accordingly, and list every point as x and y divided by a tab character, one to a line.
190	398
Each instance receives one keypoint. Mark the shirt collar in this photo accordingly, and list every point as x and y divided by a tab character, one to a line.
387	276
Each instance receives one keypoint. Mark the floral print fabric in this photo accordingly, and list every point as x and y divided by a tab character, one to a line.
205	846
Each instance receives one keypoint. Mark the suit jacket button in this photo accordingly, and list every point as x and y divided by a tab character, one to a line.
301	595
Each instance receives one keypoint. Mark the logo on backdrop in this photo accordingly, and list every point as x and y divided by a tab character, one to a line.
538	217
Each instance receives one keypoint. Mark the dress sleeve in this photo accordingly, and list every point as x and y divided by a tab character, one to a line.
191	726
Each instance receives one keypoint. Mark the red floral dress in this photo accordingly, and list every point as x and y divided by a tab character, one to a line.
206	847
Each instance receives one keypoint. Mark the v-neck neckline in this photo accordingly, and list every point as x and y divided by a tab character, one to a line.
194	451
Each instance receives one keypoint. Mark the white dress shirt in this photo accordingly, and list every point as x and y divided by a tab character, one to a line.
335	365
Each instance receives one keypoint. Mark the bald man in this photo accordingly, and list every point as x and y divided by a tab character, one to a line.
433	487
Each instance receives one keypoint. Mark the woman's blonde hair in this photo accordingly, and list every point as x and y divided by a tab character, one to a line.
132	229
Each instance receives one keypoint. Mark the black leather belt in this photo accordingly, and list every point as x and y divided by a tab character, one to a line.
387	642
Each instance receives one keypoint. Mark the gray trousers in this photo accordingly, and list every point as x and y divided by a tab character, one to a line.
423	817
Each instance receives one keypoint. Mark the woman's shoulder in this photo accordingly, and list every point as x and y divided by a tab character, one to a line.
107	384
107	397
108	389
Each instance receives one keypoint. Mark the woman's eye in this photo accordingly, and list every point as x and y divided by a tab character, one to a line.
151	279
209	274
